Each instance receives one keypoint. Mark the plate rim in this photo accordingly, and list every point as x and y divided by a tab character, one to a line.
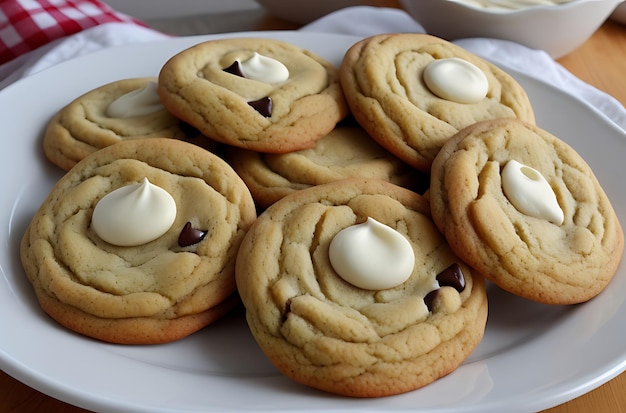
47	385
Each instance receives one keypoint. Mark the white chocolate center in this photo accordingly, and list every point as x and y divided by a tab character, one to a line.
530	193
134	214
139	102
372	256
456	80
264	69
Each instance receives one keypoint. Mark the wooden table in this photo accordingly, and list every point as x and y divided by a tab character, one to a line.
601	62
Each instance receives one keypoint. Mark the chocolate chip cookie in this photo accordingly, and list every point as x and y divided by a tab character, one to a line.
412	92
523	208
350	288
346	152
120	110
136	244
259	94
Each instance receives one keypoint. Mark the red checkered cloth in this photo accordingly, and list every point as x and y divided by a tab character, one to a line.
27	24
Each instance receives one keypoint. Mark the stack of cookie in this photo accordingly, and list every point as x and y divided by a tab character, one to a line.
356	211
513	201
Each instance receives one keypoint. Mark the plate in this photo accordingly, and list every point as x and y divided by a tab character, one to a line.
532	357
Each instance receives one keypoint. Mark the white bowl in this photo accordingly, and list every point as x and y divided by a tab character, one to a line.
306	11
557	29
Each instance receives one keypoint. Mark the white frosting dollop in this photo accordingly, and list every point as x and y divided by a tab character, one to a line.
456	80
264	69
511	4
530	193
139	102
134	214
372	256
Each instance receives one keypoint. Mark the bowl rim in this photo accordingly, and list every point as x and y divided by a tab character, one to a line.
550	8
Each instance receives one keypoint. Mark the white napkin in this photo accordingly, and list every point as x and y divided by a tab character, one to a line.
82	43
365	21
360	21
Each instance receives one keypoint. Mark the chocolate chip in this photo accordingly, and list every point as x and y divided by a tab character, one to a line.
287	310
189	235
263	106
452	277
430	299
235	69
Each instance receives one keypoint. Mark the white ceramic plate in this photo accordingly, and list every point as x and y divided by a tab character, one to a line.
532	357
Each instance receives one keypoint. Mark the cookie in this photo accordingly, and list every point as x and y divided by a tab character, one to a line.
263	95
346	152
523	208
412	92
137	243
350	288
120	110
